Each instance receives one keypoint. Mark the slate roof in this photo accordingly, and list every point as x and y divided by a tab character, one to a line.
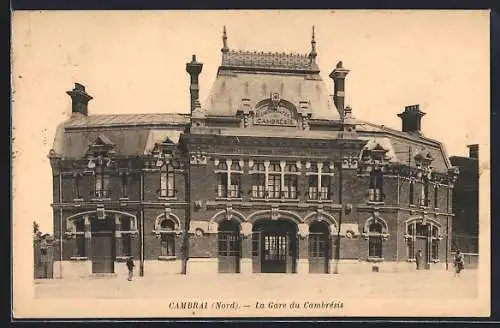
132	134
255	75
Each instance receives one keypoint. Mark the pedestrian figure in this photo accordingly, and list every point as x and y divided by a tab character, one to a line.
459	262
418	259
130	266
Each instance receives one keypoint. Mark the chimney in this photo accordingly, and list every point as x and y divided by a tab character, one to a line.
338	76
411	118
194	70
79	99
473	151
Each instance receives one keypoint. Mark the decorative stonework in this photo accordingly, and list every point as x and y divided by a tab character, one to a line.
268	60
198	159
246	228
350	161
303	230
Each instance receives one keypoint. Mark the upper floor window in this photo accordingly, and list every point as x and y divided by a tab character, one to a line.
259	181
124	180
376	190
101	183
436	195
290	181
319	181
274	180
424	198
167	181
229	179
412	192
76	186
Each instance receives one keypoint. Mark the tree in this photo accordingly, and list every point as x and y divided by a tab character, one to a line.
36	230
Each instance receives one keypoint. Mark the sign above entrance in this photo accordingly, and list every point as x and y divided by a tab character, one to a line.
275	114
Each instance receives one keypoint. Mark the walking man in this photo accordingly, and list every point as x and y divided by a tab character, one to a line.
418	259
459	263
130	266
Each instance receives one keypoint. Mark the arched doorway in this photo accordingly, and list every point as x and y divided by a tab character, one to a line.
103	244
274	246
319	247
229	247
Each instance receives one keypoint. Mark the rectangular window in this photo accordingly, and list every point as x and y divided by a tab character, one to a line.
222	182
376	186
76	191
290	187
375	246
228	244
126	244
234	188
167	244
274	186
80	249
124	186
313	187
435	248
258	185
325	187
436	194
167	181
412	201
101	184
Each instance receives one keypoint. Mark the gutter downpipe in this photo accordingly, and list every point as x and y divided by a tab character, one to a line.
60	227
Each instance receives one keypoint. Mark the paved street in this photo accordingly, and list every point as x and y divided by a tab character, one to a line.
418	285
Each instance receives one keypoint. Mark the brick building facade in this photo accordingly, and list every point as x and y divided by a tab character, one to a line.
270	174
466	202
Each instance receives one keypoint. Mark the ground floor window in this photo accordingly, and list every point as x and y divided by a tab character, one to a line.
80	249
167	238
228	244
126	241
375	240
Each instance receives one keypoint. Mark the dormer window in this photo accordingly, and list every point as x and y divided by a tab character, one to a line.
167	181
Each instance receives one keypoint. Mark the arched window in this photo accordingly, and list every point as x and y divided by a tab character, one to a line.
375	240
167	233
423	237
167	181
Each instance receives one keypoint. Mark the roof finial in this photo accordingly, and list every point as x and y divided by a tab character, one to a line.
313	53
224	40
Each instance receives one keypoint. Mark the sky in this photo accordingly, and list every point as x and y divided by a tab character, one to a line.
134	62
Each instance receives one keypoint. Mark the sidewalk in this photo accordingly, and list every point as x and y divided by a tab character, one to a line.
418	284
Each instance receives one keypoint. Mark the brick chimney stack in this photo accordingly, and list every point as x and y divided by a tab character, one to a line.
338	76
79	99
411	118
194	69
473	151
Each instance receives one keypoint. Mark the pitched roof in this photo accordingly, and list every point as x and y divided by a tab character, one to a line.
131	134
82	121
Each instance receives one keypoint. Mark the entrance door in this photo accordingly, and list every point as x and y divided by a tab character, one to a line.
277	244
421	243
319	248
229	246
103	245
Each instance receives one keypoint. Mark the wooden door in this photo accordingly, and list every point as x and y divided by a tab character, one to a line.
319	246
256	251
229	252
421	243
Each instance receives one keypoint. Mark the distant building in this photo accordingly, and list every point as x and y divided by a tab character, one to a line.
466	202
268	175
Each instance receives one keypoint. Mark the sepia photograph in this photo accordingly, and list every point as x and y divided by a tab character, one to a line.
239	164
